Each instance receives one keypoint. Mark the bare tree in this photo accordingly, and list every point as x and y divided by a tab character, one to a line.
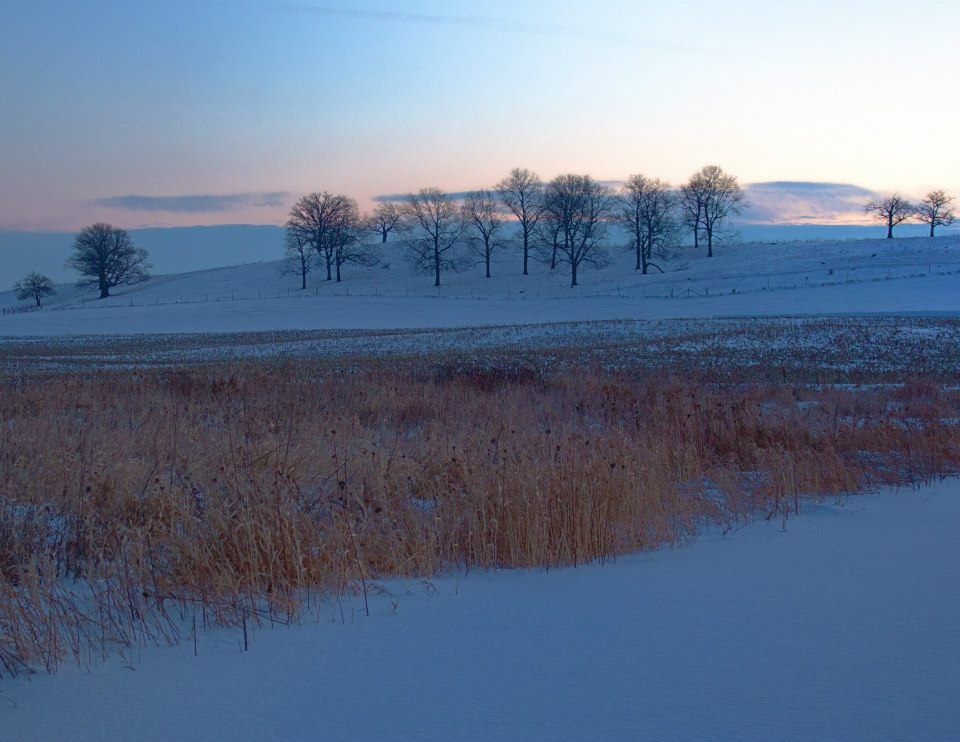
34	286
298	255
580	207
892	210
438	219
548	233
691	200
386	218
546	245
645	208
348	243
522	193
105	257
711	196
936	210
481	215
318	218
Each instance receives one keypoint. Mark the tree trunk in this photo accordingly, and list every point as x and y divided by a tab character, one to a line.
487	258
709	242
526	245
384	235
553	257
338	271
329	275
436	264
303	280
573	273
932	225
890	228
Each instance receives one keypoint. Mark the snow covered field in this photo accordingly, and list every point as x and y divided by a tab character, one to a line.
842	626
908	275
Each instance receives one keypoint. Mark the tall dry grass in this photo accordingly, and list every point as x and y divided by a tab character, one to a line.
137	506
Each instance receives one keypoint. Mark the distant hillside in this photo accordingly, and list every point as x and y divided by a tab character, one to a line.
172	250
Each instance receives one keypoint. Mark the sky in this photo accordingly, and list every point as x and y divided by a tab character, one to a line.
173	113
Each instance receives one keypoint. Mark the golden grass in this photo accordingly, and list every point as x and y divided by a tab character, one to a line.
134	501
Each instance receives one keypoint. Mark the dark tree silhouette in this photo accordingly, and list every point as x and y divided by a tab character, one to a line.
34	286
580	208
105	257
936	210
481	216
717	196
298	255
386	218
548	234
691	198
349	246
522	193
438	219
645	208
322	220
892	210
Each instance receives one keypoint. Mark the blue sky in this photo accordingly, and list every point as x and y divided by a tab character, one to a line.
241	102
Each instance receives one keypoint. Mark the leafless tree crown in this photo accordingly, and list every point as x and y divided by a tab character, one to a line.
936	210
330	224
522	194
891	210
438	225
579	207
298	256
482	217
386	219
34	286
105	257
708	199
645	208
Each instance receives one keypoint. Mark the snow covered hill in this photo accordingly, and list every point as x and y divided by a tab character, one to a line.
918	275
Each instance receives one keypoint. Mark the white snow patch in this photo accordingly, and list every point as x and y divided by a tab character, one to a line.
841	627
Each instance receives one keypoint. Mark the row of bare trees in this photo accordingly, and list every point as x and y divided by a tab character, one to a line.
561	222
935	210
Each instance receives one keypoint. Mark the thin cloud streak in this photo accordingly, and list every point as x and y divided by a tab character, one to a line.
196	204
477	21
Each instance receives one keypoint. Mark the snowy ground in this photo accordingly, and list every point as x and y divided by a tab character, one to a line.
909	275
843	626
776	349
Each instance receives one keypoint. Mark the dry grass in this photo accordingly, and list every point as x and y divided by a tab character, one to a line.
132	502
